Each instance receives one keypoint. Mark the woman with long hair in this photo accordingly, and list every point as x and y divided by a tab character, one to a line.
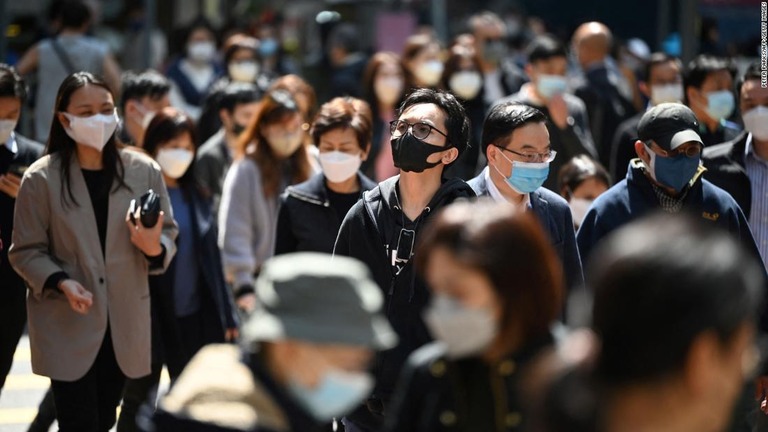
275	157
85	261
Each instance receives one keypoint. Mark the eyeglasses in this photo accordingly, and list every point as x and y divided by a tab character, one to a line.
692	150
546	157
419	130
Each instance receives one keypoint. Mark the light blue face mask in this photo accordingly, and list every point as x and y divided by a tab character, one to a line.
338	393
551	85
526	177
720	104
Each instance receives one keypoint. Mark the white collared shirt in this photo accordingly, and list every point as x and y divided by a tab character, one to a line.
494	192
11	145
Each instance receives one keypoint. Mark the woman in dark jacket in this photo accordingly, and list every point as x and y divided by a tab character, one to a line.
311	212
496	289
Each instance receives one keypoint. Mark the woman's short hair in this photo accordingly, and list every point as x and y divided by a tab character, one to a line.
342	113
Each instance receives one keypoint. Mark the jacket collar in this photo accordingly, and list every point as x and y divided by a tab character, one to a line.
636	176
315	191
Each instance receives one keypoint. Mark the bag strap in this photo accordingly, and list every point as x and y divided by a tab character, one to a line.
63	57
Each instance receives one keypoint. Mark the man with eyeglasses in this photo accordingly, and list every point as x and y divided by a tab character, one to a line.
430	133
666	176
516	143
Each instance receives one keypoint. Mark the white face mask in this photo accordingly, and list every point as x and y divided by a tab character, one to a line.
146	116
388	90
466	84
174	162
579	207
464	331
93	131
243	71
201	51
429	72
284	145
756	122
6	128
339	166
666	93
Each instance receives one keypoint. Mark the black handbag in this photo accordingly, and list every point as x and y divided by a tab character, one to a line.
149	209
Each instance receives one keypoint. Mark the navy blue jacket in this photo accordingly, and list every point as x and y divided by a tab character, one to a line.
307	222
217	307
634	197
370	233
556	219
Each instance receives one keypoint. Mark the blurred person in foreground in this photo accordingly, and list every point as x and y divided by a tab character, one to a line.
674	320
306	350
497	289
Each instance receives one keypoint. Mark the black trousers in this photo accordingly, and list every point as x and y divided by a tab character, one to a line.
90	403
13	316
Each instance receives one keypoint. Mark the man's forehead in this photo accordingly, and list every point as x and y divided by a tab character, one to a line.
424	111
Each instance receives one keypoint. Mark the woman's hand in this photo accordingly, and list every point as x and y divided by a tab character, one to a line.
146	239
80	299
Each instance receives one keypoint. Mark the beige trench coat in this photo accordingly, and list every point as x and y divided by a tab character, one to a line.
52	236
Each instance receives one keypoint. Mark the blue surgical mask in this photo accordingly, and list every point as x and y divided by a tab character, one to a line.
720	104
551	85
526	177
338	393
674	172
268	47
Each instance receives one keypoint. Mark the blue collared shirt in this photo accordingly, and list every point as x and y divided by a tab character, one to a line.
757	171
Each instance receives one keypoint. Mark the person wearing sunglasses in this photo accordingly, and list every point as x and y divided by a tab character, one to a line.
382	229
517	145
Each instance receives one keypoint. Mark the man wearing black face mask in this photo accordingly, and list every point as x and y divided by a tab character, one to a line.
237	106
430	133
666	176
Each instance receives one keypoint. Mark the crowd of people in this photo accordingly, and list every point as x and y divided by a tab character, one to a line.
455	239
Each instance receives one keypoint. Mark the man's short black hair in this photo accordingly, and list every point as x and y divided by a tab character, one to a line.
544	47
238	93
74	14
148	83
753	72
504	118
345	36
456	120
11	83
703	66
659	58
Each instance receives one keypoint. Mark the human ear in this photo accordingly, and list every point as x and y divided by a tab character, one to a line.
640	149
450	155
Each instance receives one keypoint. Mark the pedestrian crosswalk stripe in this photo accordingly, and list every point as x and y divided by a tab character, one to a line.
26	382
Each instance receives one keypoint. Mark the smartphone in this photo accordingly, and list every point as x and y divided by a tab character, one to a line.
405	242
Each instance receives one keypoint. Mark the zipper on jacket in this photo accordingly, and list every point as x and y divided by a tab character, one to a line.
310	200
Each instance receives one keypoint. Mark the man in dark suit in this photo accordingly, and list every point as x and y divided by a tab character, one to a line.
16	154
516	143
604	90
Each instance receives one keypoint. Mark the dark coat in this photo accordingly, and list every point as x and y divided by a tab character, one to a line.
726	169
216	305
435	393
370	233
623	147
556	219
307	222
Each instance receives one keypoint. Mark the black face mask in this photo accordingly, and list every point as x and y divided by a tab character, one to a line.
237	128
410	153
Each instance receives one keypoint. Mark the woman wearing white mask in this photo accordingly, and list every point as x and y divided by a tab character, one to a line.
311	212
191	304
422	62
496	290
194	73
275	157
582	180
463	78
384	87
85	262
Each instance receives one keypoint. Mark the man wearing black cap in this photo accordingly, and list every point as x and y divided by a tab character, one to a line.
667	176
307	349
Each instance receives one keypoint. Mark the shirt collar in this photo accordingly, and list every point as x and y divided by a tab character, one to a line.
494	192
749	151
11	144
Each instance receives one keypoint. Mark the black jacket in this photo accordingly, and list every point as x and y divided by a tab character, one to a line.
28	152
726	170
370	233
623	147
307	222
438	394
216	305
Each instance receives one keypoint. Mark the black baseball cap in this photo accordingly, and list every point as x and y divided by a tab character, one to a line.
669	125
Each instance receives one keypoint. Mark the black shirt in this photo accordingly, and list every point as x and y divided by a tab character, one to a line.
99	194
342	202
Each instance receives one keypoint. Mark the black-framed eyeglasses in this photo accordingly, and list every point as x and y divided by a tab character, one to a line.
545	157
691	150
420	130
